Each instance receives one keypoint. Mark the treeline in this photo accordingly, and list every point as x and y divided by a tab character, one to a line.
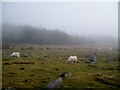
31	35
27	34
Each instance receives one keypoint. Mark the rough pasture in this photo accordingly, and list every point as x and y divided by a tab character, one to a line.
50	62
0	69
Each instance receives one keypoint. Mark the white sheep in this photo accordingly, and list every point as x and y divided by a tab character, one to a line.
99	48
72	59
110	49
15	54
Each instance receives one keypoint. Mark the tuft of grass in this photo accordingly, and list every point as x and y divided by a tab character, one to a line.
110	79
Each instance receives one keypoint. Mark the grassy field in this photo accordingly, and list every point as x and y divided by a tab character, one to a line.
0	69
50	62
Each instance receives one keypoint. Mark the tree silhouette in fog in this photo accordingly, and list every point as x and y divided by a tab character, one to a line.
32	35
27	34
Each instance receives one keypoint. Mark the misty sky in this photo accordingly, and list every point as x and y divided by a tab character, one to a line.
76	18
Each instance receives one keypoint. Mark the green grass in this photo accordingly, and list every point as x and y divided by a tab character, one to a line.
0	69
46	62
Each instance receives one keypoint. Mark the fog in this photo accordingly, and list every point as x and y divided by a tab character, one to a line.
27	34
0	25
89	24
75	18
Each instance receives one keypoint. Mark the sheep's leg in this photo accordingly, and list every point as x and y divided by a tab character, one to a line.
75	61
68	62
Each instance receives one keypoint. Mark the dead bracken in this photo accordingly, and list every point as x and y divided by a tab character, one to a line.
107	79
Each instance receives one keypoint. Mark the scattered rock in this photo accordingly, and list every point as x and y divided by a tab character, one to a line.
43	62
6	63
65	74
29	48
37	88
10	88
18	62
32	75
57	69
48	48
22	68
12	73
99	74
93	65
28	80
70	85
44	81
6	59
26	55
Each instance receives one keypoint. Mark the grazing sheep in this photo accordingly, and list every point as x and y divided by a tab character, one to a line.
110	49
99	48
58	82
72	59
15	54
